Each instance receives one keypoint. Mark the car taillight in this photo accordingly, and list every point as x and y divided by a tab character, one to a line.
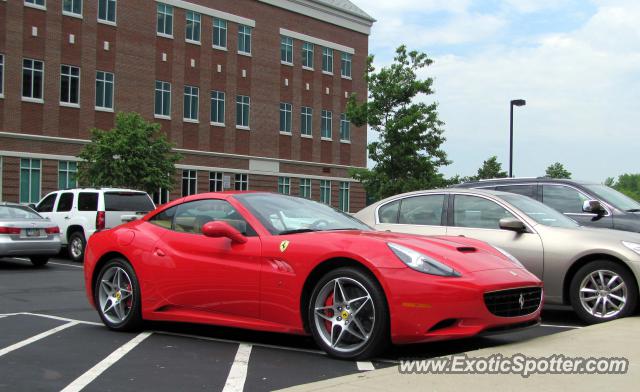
52	230
100	220
9	230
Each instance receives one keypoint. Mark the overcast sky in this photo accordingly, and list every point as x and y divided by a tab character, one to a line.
576	62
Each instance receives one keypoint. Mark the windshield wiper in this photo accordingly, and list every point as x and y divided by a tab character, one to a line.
634	210
346	228
296	231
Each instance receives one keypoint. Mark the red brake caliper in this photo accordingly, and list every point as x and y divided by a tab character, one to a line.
328	312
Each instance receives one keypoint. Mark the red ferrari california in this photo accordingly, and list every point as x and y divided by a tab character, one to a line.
285	264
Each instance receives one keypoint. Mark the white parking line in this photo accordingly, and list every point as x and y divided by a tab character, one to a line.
56	318
79	383
365	366
66	265
238	372
561	326
35	338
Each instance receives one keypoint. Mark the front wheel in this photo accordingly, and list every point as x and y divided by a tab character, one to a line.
39	261
76	246
348	314
117	296
602	291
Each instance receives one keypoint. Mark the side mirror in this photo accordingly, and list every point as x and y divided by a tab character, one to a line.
593	207
219	229
513	224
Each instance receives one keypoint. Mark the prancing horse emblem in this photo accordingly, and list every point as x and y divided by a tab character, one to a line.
521	301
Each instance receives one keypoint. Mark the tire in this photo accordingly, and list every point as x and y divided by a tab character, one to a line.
76	246
118	311
353	337
587	292
39	261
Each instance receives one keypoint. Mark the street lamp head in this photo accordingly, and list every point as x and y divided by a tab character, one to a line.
518	102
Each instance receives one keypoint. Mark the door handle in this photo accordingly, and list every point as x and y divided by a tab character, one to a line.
159	252
67	218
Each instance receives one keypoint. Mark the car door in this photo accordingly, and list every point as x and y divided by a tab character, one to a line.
569	201
45	207
62	211
420	214
479	217
204	273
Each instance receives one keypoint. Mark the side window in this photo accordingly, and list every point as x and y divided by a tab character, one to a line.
477	212
525	190
564	199
46	205
422	210
65	203
388	213
190	217
88	201
164	219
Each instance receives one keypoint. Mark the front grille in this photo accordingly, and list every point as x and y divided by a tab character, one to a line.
513	302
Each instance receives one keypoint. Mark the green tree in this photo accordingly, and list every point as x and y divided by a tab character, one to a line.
557	170
407	154
135	154
629	184
490	168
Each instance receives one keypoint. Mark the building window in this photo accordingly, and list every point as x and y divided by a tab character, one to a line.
284	185
219	33
216	182
69	85
193	27
1	75
67	174
107	10
189	182
163	99
243	108
325	124
191	96
345	128
217	107
244	39
286	50
343	196
325	192
345	65
305	188
39	3
32	79
327	60
285	117
30	180
307	55
161	196
73	7
165	20
242	182
104	90
306	120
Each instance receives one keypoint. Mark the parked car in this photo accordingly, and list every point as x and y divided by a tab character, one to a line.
594	270
576	199
278	263
24	233
81	212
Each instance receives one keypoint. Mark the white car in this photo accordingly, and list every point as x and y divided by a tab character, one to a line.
81	212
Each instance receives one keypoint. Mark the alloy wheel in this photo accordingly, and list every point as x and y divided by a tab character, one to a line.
115	295
76	247
603	293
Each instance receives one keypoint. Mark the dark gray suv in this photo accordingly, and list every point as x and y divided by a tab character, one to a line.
589	203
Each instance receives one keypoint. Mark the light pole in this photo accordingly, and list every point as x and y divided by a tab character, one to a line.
514	102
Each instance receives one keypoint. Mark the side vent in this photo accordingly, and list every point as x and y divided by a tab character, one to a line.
467	249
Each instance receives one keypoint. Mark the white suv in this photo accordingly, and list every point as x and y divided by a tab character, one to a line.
81	212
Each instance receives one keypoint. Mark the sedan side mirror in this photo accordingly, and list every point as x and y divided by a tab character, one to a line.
593	207
219	229
513	224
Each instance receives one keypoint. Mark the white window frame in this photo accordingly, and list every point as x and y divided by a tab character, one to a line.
1	75
196	20
223	27
32	4
243	179
307	55
71	13
284	185
345	124
306	121
33	71
162	196
189	93
326	124
162	90
244	33
215	179
305	188
286	49
67	171
286	109
344	193
105	82
325	186
70	76
31	168
108	4
218	98
327	59
241	106
166	12
346	63
189	175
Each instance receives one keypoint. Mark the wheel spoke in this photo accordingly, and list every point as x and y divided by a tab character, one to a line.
118	279
602	283
604	306
342	329
618	287
595	284
613	279
118	309
109	305
595	306
338	287
616	307
356	311
588	290
354	332
322	314
590	298
622	300
125	294
351	301
107	286
361	328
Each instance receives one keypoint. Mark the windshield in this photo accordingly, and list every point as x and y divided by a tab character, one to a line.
613	197
17	213
539	212
281	214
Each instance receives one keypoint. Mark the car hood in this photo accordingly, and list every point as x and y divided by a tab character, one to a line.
461	253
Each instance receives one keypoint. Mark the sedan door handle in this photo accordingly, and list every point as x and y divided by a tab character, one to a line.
159	252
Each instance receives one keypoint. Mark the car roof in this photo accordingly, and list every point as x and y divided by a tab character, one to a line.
100	189
475	191
9	204
523	180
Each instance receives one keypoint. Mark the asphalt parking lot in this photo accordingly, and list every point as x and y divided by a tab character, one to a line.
51	340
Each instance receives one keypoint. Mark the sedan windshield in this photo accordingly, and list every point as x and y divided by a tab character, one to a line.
281	214
539	212
614	198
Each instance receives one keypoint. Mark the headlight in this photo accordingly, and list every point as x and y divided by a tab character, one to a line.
419	262
633	246
509	256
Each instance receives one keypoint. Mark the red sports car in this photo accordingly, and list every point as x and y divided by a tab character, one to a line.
285	264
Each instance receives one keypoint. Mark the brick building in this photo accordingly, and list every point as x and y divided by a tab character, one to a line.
251	92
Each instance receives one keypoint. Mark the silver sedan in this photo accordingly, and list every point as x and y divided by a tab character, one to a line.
594	270
24	233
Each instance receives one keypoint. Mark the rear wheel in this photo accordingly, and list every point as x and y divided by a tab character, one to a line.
603	290
117	296
39	261
76	246
348	314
